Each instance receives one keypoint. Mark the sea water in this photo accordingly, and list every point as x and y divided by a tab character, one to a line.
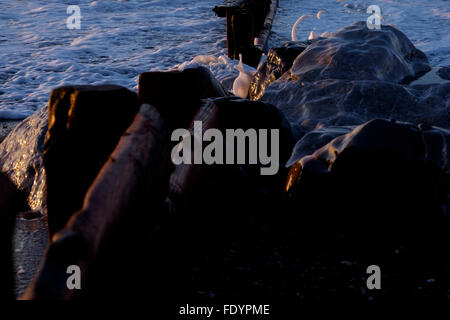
119	39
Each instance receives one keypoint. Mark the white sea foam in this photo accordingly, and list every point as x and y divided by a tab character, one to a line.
120	39
117	41
425	22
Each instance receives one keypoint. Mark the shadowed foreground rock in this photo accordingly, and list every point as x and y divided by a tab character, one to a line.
233	113
177	95
218	207
384	182
85	124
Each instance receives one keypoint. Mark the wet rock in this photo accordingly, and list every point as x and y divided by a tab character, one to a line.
278	61
21	157
220	205
314	140
356	75
344	102
383	181
85	124
211	186
235	113
357	53
208	188
177	94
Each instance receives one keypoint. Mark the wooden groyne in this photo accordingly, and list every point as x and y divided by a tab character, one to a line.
248	27
137	163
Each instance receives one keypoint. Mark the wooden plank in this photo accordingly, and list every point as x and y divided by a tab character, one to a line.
140	160
263	38
248	27
226	6
230	36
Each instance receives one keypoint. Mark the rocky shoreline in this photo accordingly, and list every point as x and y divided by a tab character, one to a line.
363	179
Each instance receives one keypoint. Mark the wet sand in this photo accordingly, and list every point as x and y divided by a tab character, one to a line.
29	242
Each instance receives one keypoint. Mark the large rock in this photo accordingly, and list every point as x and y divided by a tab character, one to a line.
177	94
356	75
85	124
216	207
315	139
345	102
444	73
21	157
234	113
357	53
382	180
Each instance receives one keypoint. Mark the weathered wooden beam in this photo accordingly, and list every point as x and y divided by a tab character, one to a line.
140	159
85	125
226	6
131	165
263	38
247	20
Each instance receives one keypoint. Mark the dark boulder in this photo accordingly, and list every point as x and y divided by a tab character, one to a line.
211	186
177	95
278	61
236	113
85	124
357	53
221	206
345	102
356	75
382	182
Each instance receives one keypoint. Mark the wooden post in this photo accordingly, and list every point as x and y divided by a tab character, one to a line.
263	38
230	35
247	20
139	161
